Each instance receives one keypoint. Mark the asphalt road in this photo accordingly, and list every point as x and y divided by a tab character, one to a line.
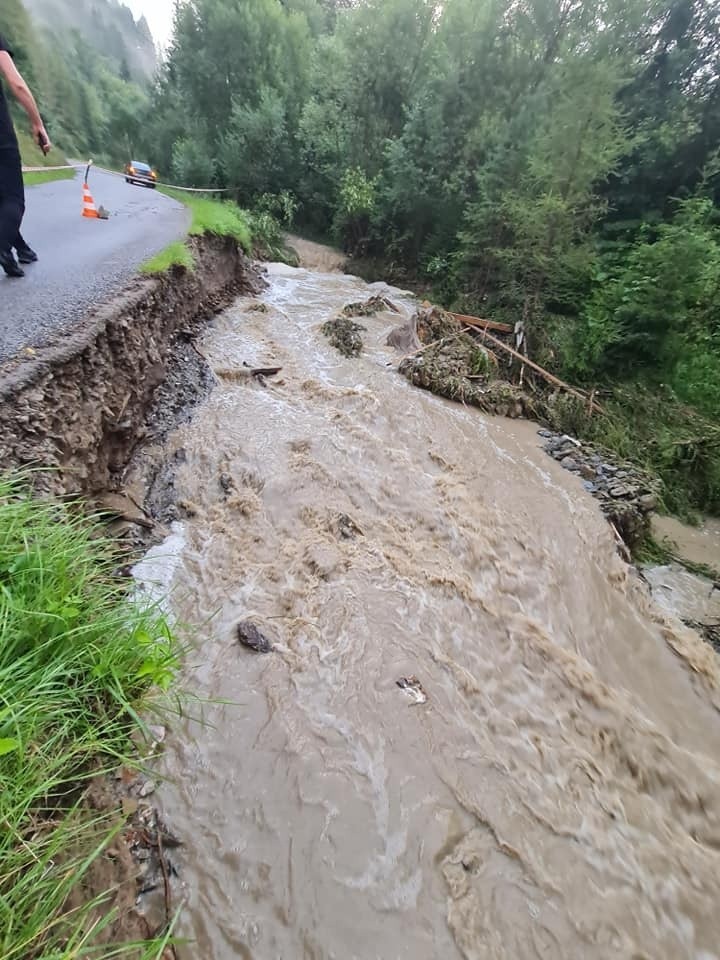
82	262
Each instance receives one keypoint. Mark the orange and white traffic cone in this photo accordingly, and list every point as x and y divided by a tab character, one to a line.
89	208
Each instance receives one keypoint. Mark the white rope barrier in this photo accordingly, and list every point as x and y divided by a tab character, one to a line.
71	166
115	173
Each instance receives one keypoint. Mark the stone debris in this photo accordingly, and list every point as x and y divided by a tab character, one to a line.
227	484
346	527
627	495
144	850
252	638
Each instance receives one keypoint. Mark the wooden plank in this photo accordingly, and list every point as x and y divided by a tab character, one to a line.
483	324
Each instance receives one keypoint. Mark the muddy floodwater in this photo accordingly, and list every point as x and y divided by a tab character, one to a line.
557	794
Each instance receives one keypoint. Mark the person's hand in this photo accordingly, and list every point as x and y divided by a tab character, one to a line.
41	138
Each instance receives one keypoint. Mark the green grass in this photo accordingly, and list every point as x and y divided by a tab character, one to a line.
31	154
257	232
77	658
220	217
175	255
47	176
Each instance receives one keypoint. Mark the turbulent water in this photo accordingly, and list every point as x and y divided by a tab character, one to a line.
557	796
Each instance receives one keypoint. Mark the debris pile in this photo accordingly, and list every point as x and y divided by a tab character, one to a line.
414	690
627	495
345	335
454	364
708	631
370	307
139	869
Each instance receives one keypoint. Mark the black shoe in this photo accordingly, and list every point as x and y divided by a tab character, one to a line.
10	265
26	254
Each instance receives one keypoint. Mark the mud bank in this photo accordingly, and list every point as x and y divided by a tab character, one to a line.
83	405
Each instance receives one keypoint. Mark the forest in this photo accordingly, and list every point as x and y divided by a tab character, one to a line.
90	66
551	161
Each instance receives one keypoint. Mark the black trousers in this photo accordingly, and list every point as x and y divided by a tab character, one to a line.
12	197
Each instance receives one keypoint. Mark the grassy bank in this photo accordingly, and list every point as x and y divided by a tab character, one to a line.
47	176
31	154
220	217
175	255
258	232
209	216
77	658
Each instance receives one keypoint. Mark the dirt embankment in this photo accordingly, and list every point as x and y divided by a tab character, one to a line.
82	406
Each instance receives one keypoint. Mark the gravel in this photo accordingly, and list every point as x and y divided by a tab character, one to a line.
627	495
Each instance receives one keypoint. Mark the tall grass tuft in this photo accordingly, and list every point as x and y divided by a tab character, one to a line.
77	657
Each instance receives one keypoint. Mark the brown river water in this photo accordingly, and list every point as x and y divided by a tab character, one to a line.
557	796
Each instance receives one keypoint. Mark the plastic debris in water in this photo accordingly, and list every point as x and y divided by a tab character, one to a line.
413	688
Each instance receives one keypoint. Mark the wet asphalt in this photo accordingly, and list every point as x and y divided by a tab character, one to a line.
82	262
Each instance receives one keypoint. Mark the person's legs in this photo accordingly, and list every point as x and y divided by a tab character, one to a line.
12	205
25	252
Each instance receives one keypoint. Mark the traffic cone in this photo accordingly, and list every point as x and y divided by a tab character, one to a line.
89	208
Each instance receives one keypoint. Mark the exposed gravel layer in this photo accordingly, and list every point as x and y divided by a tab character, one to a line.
82	262
84	405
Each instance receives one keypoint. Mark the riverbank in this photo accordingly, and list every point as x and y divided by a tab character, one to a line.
79	660
79	657
82	405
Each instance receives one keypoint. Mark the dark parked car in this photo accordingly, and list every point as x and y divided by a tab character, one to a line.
140	173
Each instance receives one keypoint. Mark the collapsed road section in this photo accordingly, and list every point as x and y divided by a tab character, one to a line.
82	405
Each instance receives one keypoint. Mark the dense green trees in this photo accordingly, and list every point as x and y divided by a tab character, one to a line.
80	71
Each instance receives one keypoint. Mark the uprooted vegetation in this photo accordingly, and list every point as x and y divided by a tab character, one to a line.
78	657
455	364
369	308
345	334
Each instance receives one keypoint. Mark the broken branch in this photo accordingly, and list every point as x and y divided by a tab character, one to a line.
546	375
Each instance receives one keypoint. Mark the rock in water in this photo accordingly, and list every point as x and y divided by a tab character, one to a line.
250	636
